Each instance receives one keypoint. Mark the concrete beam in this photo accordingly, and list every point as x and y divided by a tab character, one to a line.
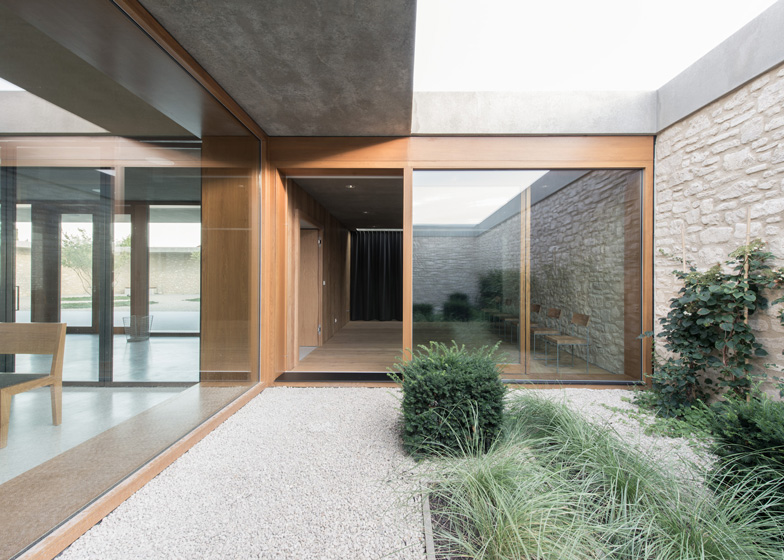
534	113
754	49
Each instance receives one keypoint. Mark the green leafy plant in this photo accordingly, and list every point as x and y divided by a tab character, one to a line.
707	330
450	396
749	433
76	253
423	312
457	308
497	286
749	444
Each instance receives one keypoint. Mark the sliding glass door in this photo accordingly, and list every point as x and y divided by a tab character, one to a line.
106	261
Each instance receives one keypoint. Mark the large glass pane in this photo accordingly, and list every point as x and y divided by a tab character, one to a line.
122	268
585	267
76	272
545	264
175	268
23	286
104	180
467	258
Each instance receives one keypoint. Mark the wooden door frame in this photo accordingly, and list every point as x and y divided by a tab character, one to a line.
339	155
299	215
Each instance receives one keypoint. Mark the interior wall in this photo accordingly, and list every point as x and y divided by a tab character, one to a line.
335	266
228	336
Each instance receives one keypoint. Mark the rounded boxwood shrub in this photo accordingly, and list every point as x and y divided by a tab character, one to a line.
452	399
457	308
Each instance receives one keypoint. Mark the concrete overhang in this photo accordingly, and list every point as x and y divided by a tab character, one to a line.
305	67
486	113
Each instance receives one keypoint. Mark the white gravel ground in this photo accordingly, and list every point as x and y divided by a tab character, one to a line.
296	474
305	474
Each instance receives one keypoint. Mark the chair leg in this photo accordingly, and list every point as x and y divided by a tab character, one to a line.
587	355
57	403
5	416
557	358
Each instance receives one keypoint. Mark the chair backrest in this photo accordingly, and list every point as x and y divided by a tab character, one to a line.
554	313
535	308
35	338
580	320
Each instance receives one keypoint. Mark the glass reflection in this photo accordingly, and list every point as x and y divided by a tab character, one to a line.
546	264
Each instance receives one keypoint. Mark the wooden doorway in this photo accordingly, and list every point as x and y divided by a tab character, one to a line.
310	283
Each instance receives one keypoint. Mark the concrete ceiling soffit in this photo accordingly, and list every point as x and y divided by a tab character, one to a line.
89	58
35	62
372	202
305	67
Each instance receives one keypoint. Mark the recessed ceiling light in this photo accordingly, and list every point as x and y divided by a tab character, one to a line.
350	187
365	212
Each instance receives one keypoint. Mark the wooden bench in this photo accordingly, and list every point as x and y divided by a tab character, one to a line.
31	338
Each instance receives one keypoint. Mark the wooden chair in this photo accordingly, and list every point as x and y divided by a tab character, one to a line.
578	321
550	327
31	338
536	309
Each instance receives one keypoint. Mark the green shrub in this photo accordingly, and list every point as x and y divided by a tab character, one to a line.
749	434
452	397
457	308
423	312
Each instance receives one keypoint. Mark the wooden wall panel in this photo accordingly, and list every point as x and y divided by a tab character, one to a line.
335	301
309	288
228	348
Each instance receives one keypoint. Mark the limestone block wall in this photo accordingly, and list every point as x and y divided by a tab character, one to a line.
710	169
498	248
577	259
444	265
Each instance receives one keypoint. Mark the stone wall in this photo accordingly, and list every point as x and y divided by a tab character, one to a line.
577	259
710	169
444	265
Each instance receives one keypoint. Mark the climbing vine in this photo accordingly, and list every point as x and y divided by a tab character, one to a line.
707	330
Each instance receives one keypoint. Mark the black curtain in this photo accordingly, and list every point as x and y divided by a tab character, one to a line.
377	276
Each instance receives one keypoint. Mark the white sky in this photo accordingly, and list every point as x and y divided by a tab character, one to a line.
465	197
8	86
558	45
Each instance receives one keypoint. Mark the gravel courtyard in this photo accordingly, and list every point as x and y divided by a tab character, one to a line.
295	474
304	473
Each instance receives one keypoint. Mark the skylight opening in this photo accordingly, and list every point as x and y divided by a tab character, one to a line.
568	45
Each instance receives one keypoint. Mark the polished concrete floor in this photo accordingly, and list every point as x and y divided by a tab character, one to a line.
159	359
87	411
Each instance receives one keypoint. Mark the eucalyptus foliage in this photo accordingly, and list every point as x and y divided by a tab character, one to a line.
707	329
